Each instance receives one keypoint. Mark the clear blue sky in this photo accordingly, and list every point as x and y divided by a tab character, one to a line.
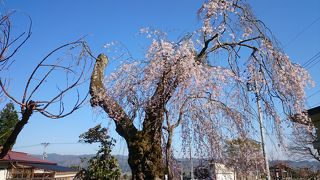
60	21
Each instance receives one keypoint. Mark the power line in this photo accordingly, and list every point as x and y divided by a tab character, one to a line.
315	105
67	143
41	144
311	60
302	31
309	64
21	147
314	64
313	94
317	55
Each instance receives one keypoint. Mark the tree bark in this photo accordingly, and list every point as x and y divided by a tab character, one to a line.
145	153
27	112
145	157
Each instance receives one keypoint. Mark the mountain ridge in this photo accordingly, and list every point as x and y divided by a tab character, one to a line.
81	160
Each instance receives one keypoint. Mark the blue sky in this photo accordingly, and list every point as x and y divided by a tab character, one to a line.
56	22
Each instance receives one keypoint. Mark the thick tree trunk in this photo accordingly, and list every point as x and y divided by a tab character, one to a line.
145	152
145	157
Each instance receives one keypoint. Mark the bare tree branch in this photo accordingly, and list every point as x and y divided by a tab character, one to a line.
100	97
52	104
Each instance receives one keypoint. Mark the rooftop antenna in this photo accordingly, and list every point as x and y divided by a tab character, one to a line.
45	145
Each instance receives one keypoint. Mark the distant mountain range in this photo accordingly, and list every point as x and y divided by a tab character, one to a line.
79	160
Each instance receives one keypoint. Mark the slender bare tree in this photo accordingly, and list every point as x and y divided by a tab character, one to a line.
169	126
54	88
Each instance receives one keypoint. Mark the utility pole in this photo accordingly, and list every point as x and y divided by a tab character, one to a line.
181	175
45	145
191	164
262	129
262	132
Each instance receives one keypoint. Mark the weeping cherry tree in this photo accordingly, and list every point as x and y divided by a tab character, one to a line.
199	84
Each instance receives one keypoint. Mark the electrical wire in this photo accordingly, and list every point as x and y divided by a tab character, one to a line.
313	94
28	146
34	145
312	59
302	31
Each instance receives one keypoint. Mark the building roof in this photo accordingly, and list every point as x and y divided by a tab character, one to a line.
21	157
313	111
24	159
50	167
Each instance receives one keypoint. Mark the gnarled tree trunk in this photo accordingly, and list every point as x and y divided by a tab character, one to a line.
145	153
145	157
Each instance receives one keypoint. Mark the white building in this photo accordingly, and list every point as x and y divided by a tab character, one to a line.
219	171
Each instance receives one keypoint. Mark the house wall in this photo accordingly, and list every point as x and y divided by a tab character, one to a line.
3	170
3	173
226	176
316	121
223	173
65	175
